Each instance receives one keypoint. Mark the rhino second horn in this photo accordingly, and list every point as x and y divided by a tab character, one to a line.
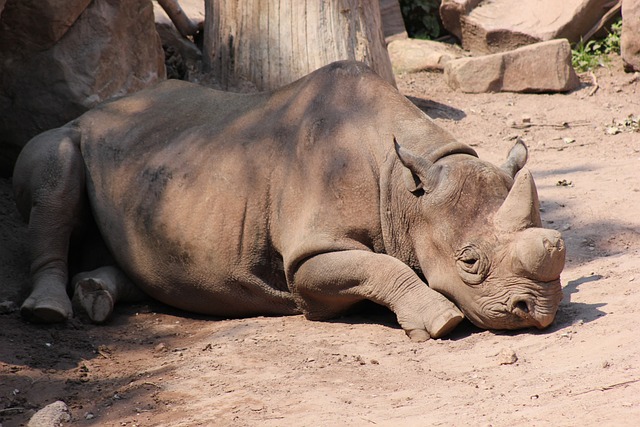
521	208
539	254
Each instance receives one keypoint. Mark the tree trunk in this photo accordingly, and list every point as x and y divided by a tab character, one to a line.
272	43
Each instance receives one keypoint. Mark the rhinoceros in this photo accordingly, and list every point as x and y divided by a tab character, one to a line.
309	199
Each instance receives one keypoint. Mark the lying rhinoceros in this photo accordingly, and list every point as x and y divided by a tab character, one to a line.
309	199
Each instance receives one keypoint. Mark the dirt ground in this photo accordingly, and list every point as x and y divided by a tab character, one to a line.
153	365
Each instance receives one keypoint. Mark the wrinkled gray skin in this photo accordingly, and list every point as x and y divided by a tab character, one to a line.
309	199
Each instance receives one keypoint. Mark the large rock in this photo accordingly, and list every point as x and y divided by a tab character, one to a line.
630	39
502	25
413	55
451	13
62	57
541	67
24	26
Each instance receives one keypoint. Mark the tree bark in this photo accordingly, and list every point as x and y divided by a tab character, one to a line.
271	43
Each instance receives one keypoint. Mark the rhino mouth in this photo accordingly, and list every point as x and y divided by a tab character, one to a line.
533	314
524	309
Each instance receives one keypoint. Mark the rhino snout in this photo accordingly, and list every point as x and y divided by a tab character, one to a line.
539	254
525	308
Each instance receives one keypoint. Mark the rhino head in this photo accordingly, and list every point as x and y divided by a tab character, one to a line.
478	238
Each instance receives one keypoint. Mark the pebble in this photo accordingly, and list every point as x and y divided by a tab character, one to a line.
51	415
507	357
8	307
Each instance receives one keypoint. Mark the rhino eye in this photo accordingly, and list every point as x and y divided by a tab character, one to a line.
472	265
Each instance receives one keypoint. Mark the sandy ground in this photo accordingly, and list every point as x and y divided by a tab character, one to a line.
152	365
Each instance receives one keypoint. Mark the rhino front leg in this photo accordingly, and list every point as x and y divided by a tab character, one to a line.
326	285
49	190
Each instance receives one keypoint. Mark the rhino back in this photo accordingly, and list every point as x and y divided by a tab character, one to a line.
202	194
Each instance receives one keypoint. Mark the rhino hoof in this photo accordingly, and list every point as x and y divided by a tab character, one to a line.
96	301
445	323
46	310
418	335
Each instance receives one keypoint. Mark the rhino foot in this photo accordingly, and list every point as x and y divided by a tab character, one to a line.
47	307
94	297
438	326
445	322
418	335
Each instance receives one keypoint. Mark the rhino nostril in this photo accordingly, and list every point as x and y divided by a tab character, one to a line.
522	306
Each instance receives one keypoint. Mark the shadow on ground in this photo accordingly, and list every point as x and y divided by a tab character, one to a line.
435	110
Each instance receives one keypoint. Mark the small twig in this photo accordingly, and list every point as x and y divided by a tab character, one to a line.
594	81
151	384
609	387
135	385
564	125
15	408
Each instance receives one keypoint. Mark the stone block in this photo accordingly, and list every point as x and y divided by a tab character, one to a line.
412	55
541	67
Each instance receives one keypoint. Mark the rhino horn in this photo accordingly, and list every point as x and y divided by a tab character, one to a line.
521	208
419	172
539	254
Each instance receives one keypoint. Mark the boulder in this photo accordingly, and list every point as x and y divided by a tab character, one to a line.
37	28
502	25
413	55
60	58
541	67
451	13
630	38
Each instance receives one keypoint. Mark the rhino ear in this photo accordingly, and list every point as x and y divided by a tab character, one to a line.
516	159
416	170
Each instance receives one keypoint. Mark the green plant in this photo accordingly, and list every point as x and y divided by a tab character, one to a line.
594	53
584	56
421	18
612	41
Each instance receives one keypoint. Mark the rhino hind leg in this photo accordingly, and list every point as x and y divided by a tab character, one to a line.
50	305
49	188
96	292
